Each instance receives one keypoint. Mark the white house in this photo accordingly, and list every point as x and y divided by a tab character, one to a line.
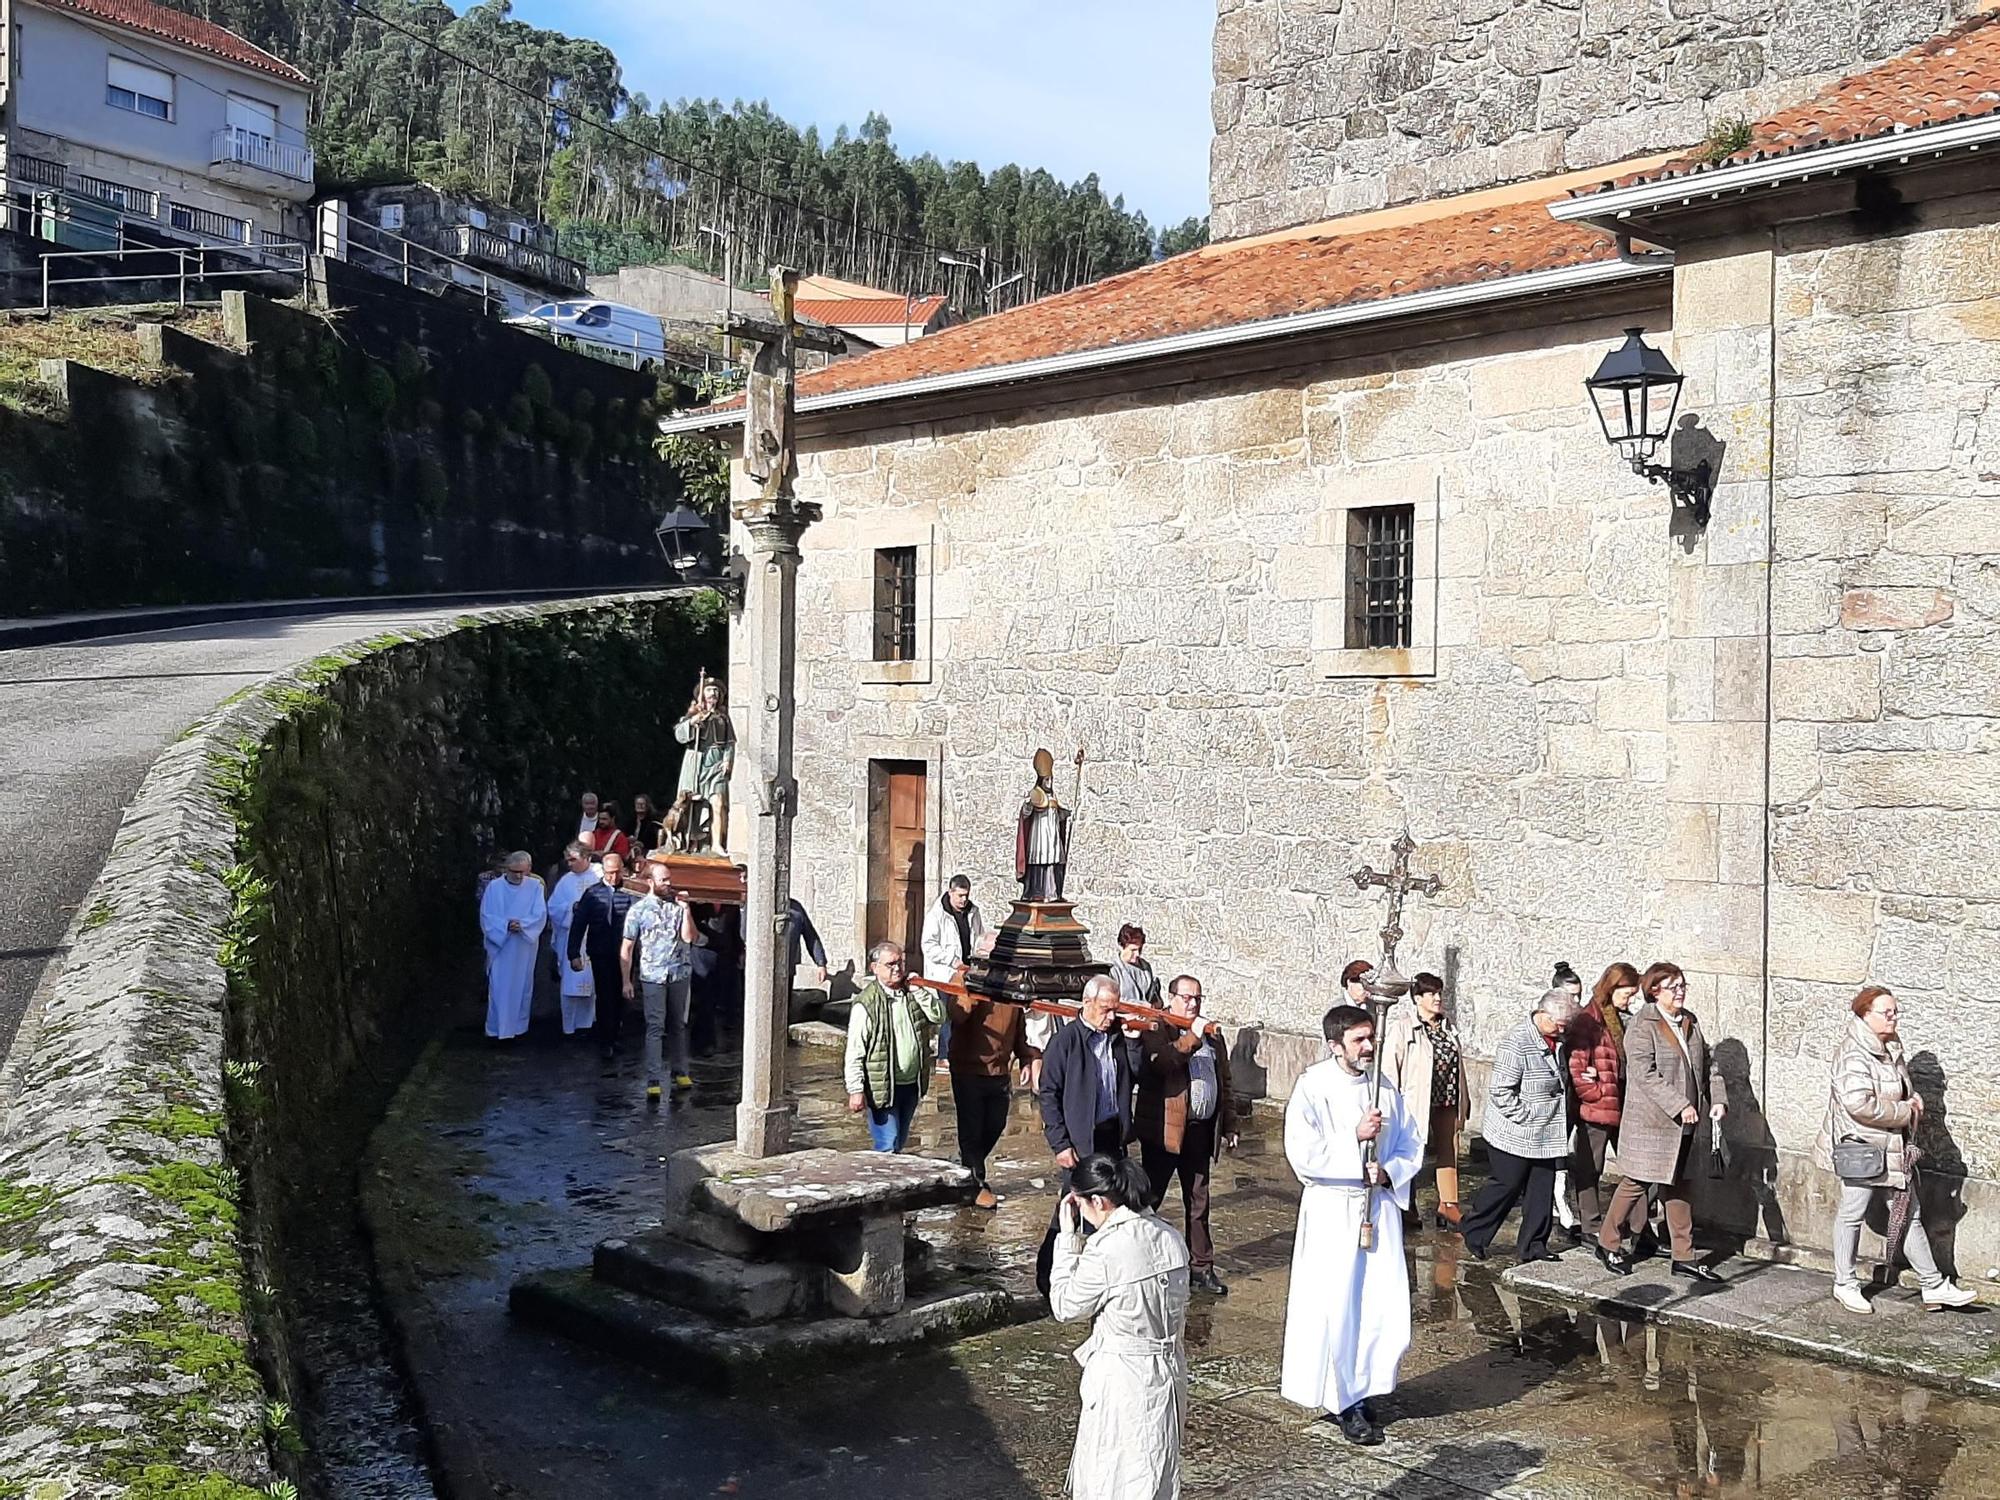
124	110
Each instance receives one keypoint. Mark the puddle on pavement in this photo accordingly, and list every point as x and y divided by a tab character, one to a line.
1501	1396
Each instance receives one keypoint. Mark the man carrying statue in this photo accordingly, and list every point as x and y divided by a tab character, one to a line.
700	815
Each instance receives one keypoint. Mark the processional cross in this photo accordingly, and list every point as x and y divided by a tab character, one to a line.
1397	883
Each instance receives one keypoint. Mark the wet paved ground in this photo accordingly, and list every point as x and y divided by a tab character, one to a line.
502	1161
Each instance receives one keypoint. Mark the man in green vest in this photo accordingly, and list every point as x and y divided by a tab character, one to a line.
891	1047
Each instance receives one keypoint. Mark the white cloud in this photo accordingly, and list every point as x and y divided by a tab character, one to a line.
1116	87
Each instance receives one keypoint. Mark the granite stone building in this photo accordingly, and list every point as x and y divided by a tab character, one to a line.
1308	536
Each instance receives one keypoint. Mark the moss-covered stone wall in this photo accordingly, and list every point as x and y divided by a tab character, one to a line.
286	915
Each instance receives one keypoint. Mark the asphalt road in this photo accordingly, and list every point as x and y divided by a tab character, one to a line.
80	723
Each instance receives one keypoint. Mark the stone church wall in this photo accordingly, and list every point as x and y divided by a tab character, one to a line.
1155	579
1885	751
1322	107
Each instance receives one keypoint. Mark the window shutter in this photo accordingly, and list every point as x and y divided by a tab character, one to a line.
137	78
252	117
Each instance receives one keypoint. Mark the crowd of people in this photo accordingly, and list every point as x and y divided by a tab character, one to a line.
620	936
1625	1075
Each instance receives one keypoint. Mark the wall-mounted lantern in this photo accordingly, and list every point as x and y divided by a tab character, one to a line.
689	545
1636	391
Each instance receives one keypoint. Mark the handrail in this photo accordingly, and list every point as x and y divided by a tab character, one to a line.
190	264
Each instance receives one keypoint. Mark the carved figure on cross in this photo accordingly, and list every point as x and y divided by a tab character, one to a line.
1397	882
770	444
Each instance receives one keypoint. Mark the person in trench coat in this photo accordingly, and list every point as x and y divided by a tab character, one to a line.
1673	1089
1131	1276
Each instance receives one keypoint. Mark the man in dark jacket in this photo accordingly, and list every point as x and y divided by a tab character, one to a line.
596	931
1086	1096
1183	1116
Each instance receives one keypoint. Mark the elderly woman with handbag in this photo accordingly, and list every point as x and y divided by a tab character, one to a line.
1671	1083
1865	1141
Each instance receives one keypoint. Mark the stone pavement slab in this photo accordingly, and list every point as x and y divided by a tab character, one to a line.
1791	1309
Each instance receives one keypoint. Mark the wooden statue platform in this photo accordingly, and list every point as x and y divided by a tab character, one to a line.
708	877
1040	953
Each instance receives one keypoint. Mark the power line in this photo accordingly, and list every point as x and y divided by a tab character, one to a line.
685	167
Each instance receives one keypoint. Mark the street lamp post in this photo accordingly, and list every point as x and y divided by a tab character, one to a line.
987	288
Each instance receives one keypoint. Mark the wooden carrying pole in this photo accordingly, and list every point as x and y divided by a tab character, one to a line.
1122	1010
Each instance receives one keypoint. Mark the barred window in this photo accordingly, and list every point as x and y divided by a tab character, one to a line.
1381	575
895	604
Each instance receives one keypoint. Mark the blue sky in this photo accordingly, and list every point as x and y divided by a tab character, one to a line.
1116	87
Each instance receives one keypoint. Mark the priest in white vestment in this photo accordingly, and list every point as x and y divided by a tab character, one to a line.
512	914
573	981
1347	1321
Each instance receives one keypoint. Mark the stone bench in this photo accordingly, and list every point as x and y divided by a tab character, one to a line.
839	1210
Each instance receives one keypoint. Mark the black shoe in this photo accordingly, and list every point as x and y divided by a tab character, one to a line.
1545	1253
1357	1429
1614	1261
1205	1280
1574	1234
1477	1252
1695	1271
1646	1246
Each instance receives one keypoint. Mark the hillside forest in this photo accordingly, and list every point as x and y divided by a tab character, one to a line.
627	181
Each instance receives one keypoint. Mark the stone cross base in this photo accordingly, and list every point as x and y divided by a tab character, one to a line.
766	1262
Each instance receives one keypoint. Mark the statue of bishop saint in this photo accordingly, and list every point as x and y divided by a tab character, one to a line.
1041	840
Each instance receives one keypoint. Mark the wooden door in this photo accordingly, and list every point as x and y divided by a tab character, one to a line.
897	797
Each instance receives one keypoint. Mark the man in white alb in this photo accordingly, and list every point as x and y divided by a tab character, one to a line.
1347	1321
512	914
574	982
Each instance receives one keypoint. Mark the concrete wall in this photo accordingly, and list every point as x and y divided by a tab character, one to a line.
1322	107
678	292
62	115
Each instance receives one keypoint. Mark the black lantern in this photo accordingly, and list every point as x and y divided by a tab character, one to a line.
1636	391
688	543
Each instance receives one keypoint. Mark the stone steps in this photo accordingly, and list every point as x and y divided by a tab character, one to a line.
696	1279
686	1346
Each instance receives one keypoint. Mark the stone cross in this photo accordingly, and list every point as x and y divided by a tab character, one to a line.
1397	883
775	520
770	447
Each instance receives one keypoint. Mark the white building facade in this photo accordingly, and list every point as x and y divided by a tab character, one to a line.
137	115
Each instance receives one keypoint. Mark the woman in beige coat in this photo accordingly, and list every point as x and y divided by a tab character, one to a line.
1420	1057
1131	1277
1671	1085
1874	1103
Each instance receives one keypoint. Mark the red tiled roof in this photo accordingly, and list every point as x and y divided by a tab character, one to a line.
868	312
1224	286
182	30
1954	76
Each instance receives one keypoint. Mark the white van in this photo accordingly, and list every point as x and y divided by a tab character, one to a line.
606	330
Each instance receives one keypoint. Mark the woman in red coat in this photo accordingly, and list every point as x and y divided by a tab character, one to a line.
1597	1077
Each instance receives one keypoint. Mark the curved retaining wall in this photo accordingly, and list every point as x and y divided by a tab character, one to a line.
285	916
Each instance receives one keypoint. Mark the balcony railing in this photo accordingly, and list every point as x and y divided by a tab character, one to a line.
143	203
32	169
209	225
482	245
233	144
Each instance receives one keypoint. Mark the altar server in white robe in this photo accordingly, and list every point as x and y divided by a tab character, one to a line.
1347	1322
512	914
1131	1277
579	995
